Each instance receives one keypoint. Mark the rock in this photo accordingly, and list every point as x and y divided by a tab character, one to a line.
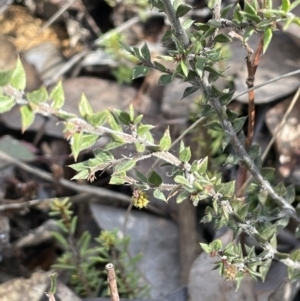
155	237
282	56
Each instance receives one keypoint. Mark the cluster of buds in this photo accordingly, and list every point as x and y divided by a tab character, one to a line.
139	199
230	271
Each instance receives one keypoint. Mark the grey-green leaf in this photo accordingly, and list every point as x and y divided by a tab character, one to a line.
18	77
267	38
139	71
165	142
165	79
27	116
154	179
6	103
182	9
145	52
58	96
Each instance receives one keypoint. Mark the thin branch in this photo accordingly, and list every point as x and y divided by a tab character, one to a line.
278	129
178	30
244	157
236	144
275	79
112	282
101	192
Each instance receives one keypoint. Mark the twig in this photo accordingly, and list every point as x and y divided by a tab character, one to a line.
178	30
40	203
275	79
112	282
245	158
252	63
102	192
56	15
266	151
97	191
178	139
228	128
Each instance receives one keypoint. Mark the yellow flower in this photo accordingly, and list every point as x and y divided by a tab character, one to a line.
140	199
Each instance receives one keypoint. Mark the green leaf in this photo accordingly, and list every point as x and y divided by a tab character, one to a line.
84	242
165	79
140	148
145	52
84	106
112	145
267	172
154	179
295	256
88	140
215	125
248	33
58	96
105	156
206	248
182	196
131	113
18	77
165	142
200	64
268	231
125	165
160	66
202	165
216	245
187	23
226	10
182	180
185	154
124	117
294	5
158	194
117	179
143	129
232	159
27	117
141	177
137	53
227	189
182	9
189	90
5	77
262	196
97	119
239	123
6	103
268	33
38	96
251	17
139	71
253	151
61	239
290	194
232	115
76	144
222	38
79	166
82	175
126	47
138	119
248	8
184	68
113	122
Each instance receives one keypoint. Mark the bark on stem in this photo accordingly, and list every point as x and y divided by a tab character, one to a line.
112	282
